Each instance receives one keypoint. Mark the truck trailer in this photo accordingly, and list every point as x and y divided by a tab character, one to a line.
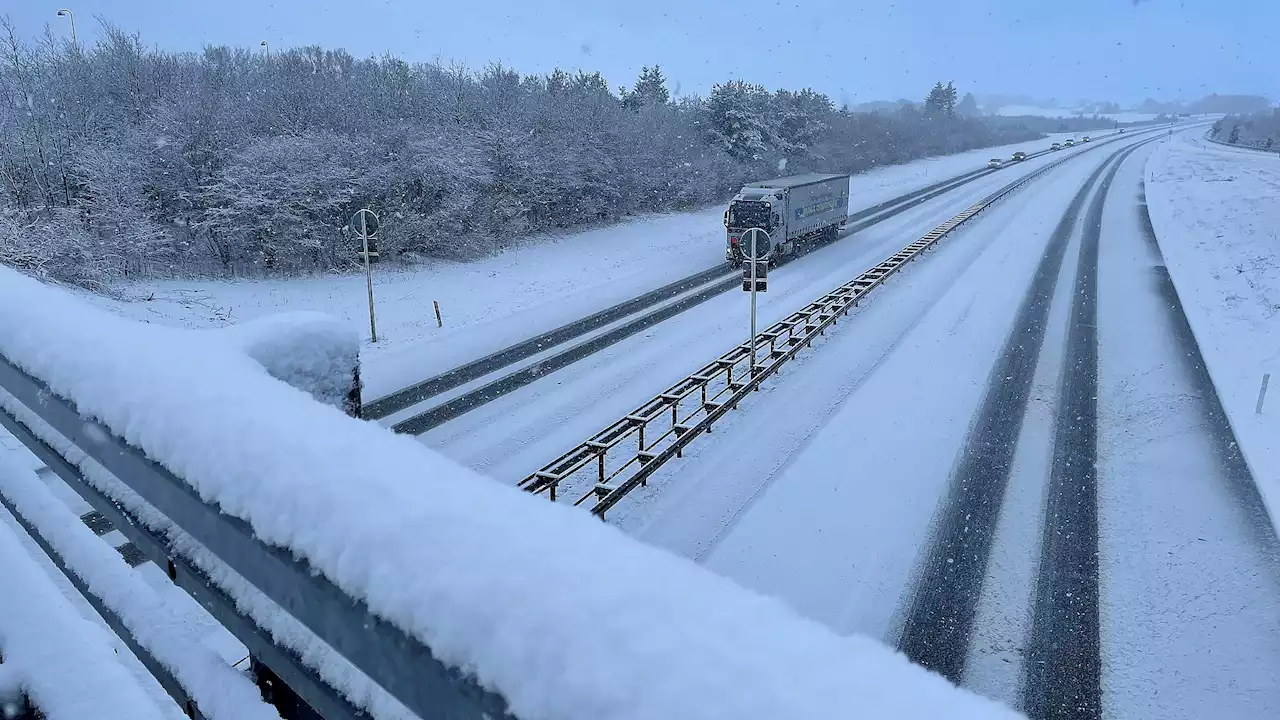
796	211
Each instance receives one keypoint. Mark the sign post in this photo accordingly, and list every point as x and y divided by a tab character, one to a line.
365	223
756	247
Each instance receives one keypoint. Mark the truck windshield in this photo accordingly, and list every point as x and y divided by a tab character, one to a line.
749	214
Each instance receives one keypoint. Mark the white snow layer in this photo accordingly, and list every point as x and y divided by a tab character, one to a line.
308	350
63	662
218	690
1216	212
564	616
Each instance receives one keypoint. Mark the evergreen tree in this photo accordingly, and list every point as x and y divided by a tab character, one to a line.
1235	135
941	101
935	103
558	82
738	112
650	90
801	120
651	87
968	107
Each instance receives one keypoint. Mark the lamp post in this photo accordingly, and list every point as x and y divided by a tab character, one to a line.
63	12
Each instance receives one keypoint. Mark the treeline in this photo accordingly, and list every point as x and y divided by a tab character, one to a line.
1258	130
117	161
1074	124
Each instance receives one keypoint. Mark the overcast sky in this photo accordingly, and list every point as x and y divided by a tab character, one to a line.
854	50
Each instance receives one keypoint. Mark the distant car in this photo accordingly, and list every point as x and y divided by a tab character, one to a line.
1056	146
1019	156
1084	139
1068	143
995	163
1121	129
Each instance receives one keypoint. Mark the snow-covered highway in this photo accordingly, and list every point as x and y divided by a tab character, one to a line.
1152	590
937	395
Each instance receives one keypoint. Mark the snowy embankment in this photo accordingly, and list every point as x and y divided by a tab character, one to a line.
564	616
1216	213
539	284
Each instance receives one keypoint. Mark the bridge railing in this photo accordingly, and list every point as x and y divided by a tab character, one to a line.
367	575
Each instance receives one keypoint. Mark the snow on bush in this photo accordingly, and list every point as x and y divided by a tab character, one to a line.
563	615
232	162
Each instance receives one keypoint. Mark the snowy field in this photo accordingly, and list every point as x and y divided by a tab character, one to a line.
1216	211
1019	110
487	304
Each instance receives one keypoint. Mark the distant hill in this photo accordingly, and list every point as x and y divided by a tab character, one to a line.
1155	106
1237	104
884	106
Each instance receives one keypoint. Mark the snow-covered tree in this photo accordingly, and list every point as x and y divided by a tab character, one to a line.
117	159
650	90
968	106
739	115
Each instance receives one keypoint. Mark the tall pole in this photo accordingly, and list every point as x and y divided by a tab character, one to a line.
368	276
752	341
72	18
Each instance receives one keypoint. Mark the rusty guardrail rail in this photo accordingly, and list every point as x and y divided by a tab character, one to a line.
623	455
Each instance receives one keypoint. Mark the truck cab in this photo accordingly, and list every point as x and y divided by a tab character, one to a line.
796	211
752	208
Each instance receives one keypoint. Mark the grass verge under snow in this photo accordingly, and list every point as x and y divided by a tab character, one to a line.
1216	212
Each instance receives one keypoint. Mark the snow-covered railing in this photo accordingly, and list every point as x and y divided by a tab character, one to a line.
45	642
411	587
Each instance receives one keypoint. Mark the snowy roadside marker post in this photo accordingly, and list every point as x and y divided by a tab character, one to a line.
755	278
1262	393
366	222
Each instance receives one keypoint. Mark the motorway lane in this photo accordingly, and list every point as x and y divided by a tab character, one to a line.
1184	577
840	514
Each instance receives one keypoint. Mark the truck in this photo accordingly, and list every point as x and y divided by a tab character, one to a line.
797	211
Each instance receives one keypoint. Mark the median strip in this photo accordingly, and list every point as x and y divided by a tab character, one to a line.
602	470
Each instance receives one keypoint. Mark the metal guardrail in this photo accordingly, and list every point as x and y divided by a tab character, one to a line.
643	312
1209	136
398	662
622	456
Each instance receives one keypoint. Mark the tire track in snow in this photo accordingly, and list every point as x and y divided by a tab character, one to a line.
940	618
1064	659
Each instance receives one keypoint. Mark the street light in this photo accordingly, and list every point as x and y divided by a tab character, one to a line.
266	49
67	13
